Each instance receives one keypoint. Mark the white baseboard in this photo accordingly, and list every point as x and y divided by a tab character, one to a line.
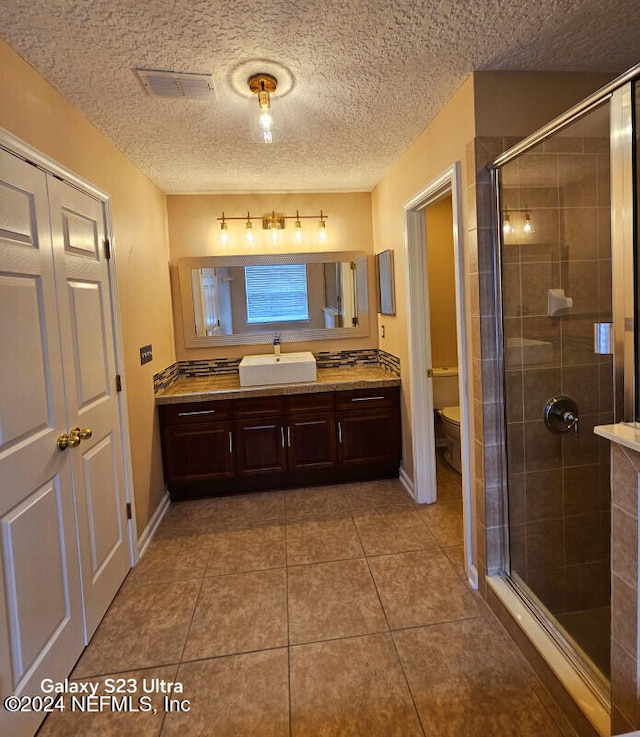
407	483
152	527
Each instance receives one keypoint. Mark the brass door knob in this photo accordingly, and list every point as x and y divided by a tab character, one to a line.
82	434
68	441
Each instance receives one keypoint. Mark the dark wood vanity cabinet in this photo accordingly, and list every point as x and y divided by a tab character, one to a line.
369	432
280	441
197	442
311	441
259	435
311	434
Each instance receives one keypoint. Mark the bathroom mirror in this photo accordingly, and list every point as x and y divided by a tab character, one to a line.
243	300
386	292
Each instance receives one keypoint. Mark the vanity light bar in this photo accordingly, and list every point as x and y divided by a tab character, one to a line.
273	220
507	225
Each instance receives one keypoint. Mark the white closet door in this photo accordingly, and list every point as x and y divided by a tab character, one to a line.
84	300
41	632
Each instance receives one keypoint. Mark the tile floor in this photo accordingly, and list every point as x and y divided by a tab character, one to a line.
332	611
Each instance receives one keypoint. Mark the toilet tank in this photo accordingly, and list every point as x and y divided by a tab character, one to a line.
445	387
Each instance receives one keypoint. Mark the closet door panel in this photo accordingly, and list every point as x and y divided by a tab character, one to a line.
78	227
41	625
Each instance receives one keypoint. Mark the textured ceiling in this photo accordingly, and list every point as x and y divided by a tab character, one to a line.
364	78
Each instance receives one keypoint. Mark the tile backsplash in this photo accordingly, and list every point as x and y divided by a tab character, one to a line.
324	359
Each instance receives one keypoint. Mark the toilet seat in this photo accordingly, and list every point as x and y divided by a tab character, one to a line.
452	414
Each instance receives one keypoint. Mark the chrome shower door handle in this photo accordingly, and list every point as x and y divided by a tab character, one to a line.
603	339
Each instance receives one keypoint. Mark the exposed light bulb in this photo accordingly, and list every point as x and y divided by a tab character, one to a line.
224	235
298	227
266	121
267	125
249	232
322	236
506	225
527	228
264	99
323	232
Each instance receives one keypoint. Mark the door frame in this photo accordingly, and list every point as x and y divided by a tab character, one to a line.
419	340
23	150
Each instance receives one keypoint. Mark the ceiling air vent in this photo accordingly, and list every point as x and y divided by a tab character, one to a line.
158	83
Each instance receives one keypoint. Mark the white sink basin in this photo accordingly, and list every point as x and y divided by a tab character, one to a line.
287	368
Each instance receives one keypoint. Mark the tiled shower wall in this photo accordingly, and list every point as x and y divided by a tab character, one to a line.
487	366
489	430
559	503
625	477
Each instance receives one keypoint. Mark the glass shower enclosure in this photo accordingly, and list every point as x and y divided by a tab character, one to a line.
561	273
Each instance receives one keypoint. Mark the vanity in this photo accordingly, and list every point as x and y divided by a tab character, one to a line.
219	438
278	420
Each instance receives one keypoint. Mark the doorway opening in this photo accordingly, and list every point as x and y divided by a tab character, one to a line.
427	211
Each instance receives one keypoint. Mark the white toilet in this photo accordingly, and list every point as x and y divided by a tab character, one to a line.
446	402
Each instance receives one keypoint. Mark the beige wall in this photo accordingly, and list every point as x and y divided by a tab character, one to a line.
35	112
442	283
518	103
497	104
194	230
439	145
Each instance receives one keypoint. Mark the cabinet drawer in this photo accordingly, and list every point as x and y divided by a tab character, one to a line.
258	407
298	403
177	414
367	398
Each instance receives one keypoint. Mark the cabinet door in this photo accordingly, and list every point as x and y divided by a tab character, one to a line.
368	436
312	440
260	446
198	451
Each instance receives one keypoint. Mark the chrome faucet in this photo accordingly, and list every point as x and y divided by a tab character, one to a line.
276	347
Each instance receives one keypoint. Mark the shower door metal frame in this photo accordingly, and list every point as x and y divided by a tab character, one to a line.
622	253
619	93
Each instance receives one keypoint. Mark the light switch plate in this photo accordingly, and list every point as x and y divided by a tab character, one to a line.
146	354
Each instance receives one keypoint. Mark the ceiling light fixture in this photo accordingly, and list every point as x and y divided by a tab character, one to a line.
266	121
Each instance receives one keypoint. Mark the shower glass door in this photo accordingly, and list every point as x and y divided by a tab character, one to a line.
555	205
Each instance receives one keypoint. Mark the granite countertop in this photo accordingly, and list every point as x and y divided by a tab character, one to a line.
227	386
623	433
